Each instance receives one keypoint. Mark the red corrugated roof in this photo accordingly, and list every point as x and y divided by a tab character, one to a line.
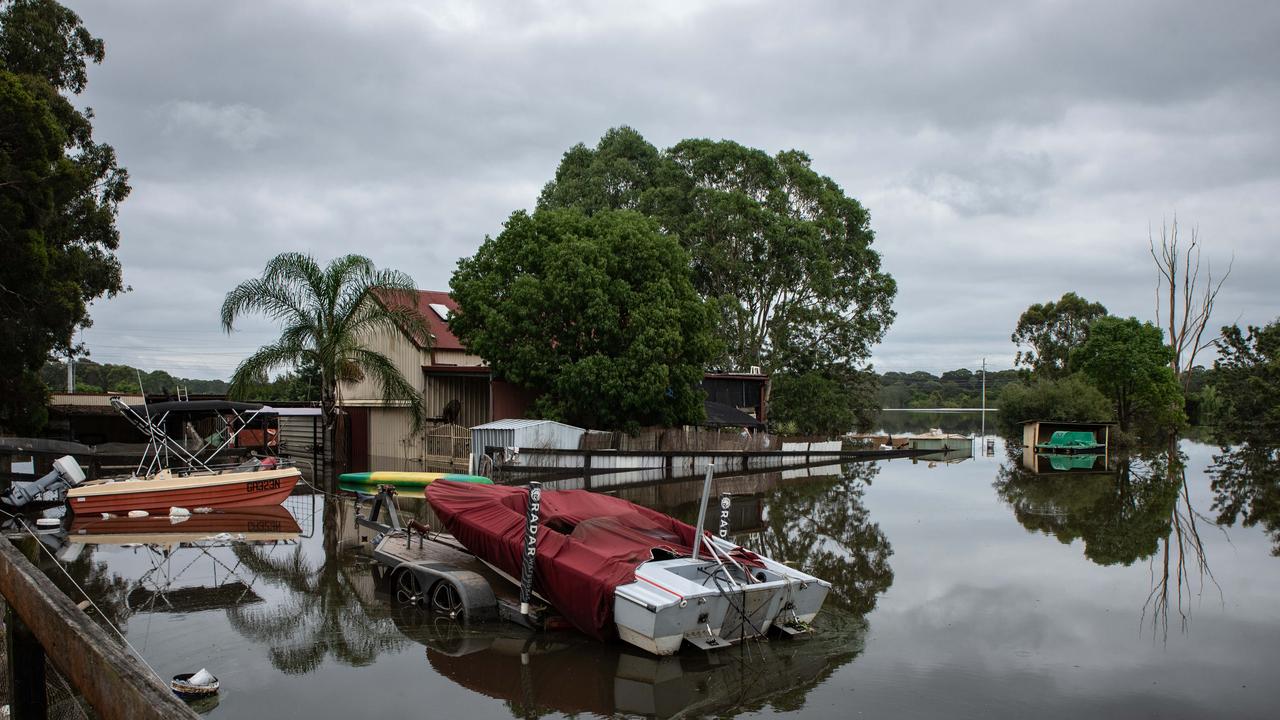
443	337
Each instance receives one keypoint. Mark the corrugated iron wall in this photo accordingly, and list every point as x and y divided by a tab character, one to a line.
471	392
391	444
302	436
401	351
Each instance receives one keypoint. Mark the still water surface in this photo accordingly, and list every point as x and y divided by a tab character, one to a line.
974	589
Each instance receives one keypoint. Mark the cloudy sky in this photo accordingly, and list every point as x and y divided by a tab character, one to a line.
1008	152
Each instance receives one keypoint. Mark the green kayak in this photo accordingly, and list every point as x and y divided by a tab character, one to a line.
367	481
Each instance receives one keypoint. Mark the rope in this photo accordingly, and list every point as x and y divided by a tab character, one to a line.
94	605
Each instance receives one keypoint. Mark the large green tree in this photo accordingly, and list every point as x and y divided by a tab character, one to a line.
783	254
59	194
1128	361
595	313
329	315
1247	377
826	401
1047	333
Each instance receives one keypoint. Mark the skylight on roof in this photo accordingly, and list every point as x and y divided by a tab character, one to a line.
441	310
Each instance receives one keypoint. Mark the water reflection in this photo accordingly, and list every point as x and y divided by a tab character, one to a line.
972	616
528	672
825	528
1120	513
1246	486
1138	509
320	614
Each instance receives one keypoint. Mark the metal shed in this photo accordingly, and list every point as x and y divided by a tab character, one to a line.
522	433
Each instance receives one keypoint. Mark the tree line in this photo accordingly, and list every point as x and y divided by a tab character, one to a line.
93	377
960	388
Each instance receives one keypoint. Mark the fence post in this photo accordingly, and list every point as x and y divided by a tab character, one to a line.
25	658
27	697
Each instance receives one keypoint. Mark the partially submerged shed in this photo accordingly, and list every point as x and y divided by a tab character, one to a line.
523	433
1035	432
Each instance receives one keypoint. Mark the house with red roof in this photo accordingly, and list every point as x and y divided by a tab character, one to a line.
458	389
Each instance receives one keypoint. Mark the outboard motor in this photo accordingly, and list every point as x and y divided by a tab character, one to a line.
66	475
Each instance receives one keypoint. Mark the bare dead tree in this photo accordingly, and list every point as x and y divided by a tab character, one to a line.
1190	304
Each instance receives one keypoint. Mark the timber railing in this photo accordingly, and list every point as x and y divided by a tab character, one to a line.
42	621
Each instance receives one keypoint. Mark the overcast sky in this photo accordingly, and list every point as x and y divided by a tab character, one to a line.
1007	153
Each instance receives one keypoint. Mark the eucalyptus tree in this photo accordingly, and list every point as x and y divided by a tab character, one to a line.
1128	361
783	254
59	194
1050	331
329	315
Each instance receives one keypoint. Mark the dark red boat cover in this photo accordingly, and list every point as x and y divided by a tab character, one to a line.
588	544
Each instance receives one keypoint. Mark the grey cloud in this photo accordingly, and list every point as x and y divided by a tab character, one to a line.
1007	153
1008	183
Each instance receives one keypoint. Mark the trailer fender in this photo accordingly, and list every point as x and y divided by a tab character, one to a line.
449	590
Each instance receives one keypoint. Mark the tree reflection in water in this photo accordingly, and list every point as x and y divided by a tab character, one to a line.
1246	486
823	528
1141	510
818	524
323	613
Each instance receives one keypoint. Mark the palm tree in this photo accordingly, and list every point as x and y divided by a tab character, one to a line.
328	314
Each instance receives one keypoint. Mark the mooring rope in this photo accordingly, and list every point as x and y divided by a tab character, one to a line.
22	521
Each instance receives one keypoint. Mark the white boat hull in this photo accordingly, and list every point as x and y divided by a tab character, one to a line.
676	600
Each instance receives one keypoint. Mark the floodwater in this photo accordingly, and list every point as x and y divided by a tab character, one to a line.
977	589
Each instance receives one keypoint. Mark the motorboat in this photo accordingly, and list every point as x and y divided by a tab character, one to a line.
612	568
171	474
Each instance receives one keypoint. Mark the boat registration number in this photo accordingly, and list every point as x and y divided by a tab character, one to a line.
262	485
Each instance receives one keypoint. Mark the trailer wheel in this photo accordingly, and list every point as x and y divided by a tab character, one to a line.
408	589
445	599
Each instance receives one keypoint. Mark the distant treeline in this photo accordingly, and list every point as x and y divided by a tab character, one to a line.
92	377
952	389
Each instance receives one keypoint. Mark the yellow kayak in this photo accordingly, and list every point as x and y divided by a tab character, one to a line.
364	481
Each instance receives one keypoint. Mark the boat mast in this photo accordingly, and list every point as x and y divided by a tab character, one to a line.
702	509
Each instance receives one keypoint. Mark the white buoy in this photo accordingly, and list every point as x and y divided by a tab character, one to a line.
138	513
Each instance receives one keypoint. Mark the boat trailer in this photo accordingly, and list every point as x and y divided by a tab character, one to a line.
431	570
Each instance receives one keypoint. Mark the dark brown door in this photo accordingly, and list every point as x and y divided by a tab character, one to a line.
358	426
